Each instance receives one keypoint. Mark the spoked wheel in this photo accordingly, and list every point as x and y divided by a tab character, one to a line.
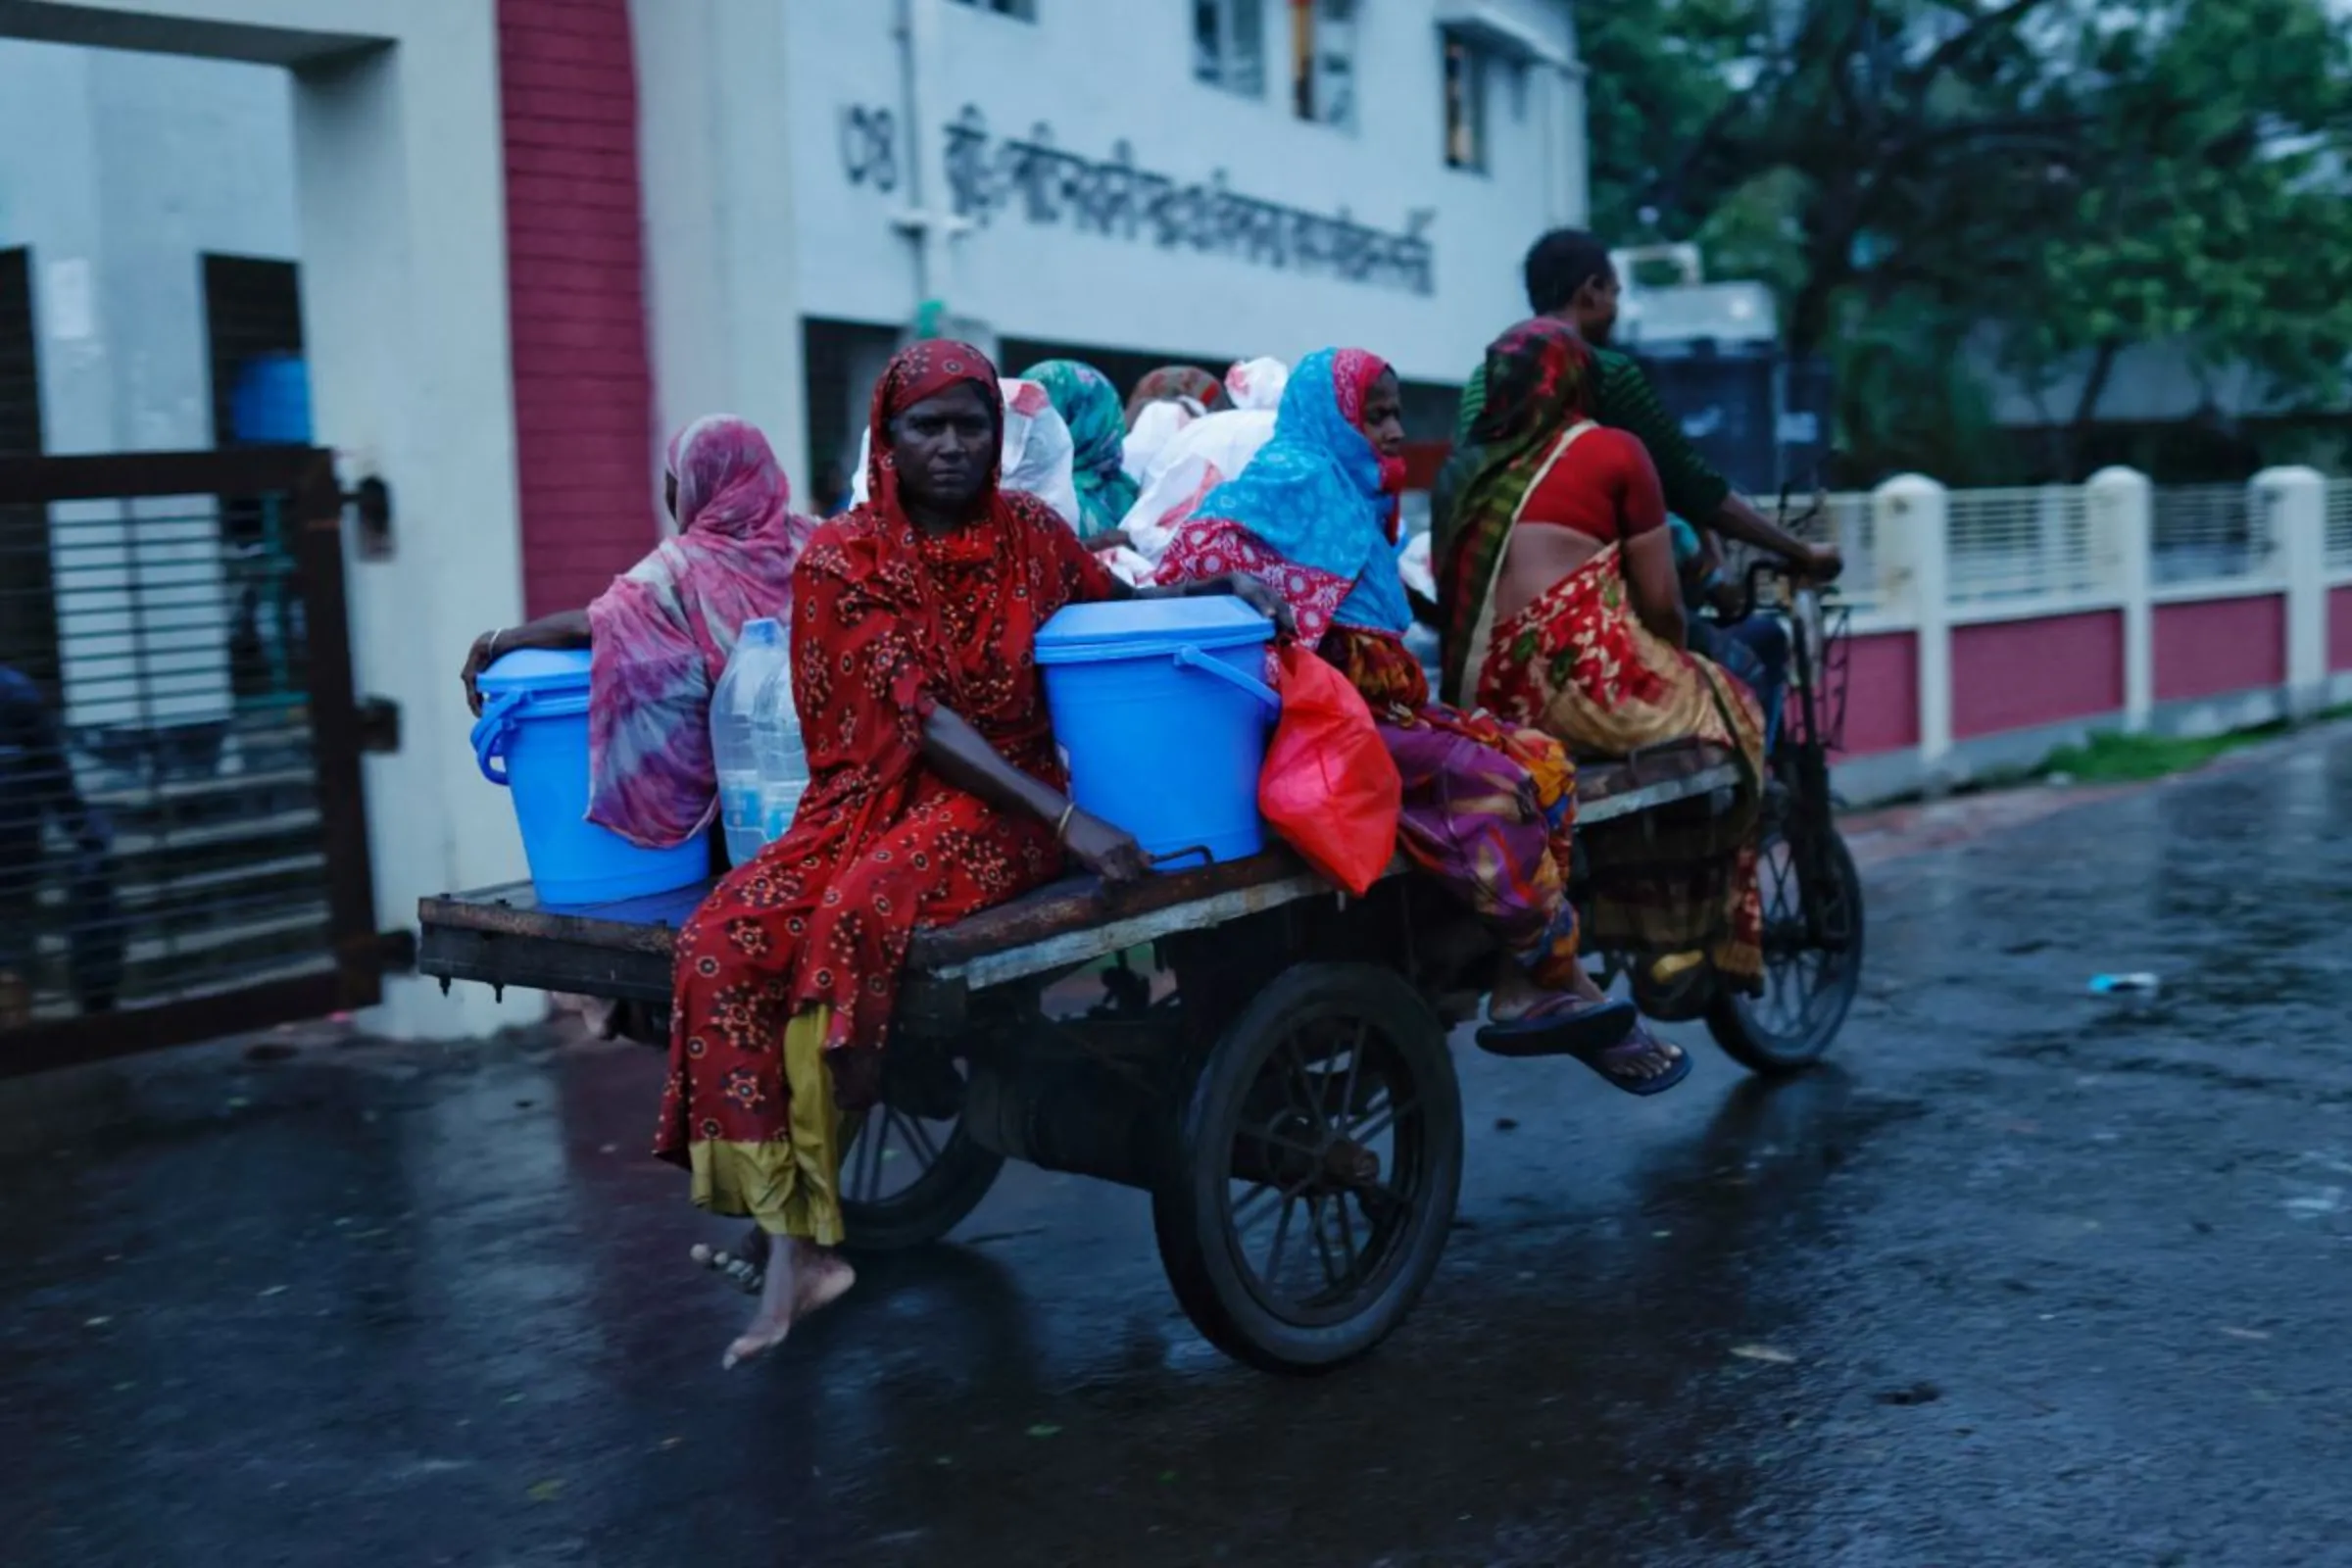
909	1172
1812	953
1319	1156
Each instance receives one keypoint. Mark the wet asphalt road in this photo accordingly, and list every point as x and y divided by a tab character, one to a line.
2026	1278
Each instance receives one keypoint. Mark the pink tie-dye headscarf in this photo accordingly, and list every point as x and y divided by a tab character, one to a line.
660	635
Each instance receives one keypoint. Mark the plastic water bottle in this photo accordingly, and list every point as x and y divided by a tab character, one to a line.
783	760
760	652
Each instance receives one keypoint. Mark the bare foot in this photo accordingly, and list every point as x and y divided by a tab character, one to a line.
771	1320
800	1279
825	1277
1516	996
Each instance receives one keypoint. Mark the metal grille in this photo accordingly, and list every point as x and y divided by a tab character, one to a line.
182	847
2339	525
2207	533
2019	544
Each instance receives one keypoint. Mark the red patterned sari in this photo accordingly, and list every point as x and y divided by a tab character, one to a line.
889	624
1577	664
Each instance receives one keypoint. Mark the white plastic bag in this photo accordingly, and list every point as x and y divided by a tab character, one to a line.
1413	566
1038	454
1204	455
1155	427
1258	384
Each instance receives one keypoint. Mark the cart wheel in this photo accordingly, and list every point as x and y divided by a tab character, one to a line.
906	1179
1811	973
1318	1158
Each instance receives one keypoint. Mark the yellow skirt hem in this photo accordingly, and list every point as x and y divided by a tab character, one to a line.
788	1186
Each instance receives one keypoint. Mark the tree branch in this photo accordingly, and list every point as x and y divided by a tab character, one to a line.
1950	53
2094	382
1666	191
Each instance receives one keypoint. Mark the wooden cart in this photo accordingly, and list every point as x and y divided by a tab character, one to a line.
1278	1078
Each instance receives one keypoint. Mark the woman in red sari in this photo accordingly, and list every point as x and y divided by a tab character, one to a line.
1563	612
935	791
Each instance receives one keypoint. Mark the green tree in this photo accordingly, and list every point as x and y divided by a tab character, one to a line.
1909	143
1654	71
2215	214
2061	179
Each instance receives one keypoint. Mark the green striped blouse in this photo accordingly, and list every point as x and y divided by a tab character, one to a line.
1624	400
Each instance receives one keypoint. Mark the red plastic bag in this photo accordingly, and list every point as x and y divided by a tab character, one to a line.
1329	786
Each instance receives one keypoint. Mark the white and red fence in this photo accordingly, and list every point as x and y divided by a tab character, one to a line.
1992	626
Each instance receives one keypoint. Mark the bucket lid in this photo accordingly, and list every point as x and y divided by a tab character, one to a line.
1143	629
537	672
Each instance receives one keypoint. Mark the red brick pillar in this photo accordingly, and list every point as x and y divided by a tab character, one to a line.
575	278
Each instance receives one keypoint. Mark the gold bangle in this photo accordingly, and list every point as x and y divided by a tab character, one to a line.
1061	828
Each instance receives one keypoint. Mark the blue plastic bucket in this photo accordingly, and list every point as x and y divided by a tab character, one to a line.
1162	708
533	738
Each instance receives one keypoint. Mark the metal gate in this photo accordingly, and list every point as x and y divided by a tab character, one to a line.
183	844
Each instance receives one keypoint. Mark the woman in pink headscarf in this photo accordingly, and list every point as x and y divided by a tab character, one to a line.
660	635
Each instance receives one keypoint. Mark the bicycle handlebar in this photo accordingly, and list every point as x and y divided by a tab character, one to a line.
1753	579
1774	565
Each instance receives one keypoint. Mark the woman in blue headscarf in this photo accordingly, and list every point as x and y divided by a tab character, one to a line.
1489	807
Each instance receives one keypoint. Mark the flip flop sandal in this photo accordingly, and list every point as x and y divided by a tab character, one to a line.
1636	1042
740	1272
1566	1027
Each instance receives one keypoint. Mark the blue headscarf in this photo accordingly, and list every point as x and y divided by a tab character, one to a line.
1315	492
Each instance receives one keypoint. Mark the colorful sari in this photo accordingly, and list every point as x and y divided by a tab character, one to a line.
659	636
1578	664
1489	807
813	934
1090	406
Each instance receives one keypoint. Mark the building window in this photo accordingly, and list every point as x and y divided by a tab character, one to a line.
1018	10
1323	61
1229	45
1465	106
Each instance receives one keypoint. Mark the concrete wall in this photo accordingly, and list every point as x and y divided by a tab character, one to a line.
2018	675
717	110
1992	627
2213	647
120	170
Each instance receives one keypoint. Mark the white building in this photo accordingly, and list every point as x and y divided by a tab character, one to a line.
1138	181
535	235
